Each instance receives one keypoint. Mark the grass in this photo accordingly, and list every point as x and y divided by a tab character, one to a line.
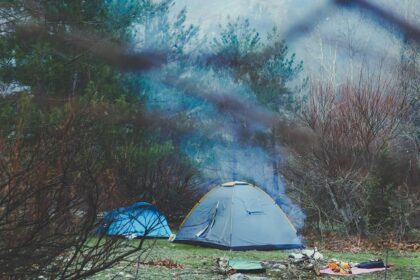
199	263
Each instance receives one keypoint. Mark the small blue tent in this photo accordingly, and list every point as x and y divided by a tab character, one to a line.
238	216
140	219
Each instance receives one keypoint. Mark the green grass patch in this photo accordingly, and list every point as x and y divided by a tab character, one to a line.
199	262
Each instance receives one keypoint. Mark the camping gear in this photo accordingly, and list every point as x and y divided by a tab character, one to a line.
354	271
343	268
246	266
140	219
238	216
340	267
371	264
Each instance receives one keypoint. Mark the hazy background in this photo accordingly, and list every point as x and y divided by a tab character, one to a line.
340	38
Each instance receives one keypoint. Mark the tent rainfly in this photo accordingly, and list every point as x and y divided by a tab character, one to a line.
140	219
238	216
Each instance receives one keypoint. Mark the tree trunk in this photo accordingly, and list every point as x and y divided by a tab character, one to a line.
274	163
340	210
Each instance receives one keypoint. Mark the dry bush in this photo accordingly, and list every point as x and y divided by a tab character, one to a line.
167	180
350	127
57	176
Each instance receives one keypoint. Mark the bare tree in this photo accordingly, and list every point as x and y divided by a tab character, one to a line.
350	127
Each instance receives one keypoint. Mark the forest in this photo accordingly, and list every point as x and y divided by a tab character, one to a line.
105	103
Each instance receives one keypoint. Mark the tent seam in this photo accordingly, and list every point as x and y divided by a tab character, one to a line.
195	206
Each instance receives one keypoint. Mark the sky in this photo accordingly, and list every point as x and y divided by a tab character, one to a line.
340	40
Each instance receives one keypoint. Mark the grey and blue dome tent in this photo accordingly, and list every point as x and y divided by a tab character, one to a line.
238	216
140	219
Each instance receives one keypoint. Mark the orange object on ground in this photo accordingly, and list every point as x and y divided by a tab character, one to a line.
345	265
333	266
340	267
